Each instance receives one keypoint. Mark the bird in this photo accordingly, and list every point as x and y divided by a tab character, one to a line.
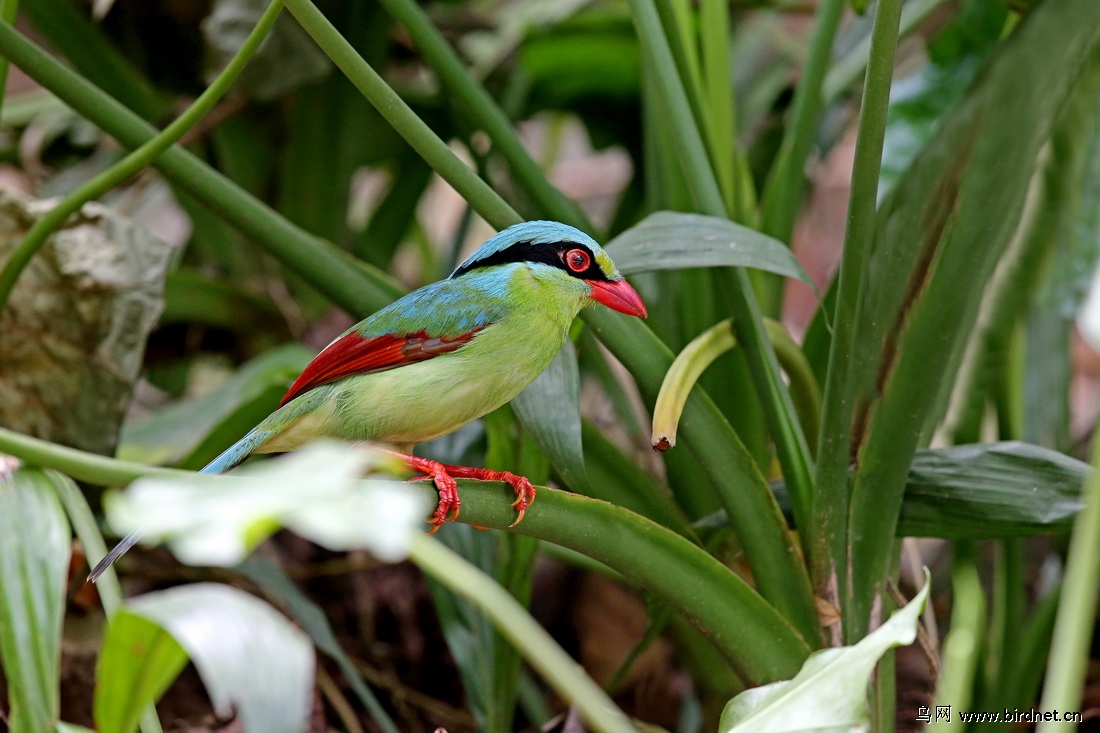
441	357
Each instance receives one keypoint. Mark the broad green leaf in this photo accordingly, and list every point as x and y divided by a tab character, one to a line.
70	728
137	663
672	241
830	691
991	490
191	432
987	491
317	492
550	407
34	564
252	661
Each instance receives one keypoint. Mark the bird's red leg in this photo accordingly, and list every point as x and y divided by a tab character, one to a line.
444	476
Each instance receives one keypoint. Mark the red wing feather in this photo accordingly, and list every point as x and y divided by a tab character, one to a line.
355	354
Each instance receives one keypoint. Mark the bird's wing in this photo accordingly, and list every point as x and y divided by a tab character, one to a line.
432	321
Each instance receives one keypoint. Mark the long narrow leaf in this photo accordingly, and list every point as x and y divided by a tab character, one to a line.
34	564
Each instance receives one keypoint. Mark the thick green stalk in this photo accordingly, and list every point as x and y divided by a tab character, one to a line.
352	285
516	624
829	530
760	643
138	159
1073	626
476	102
425	142
782	196
793	452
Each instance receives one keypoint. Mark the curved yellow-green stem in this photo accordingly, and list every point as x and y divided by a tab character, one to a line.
701	353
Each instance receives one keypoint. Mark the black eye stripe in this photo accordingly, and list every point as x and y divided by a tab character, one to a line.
552	253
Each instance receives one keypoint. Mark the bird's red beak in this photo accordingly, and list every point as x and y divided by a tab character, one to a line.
618	296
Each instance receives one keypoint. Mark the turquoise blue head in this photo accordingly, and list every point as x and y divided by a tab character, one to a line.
562	247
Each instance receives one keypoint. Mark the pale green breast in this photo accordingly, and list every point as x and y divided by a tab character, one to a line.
425	400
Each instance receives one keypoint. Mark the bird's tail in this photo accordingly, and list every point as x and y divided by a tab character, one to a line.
235	454
232	457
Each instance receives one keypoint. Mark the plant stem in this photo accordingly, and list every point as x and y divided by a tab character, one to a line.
516	624
425	142
136	160
1073	626
829	530
83	466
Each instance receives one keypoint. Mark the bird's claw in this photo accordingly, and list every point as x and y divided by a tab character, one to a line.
449	504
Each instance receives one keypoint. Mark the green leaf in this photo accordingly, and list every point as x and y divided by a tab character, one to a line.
991	490
672	241
34	563
190	433
987	491
550	407
138	661
252	661
830	691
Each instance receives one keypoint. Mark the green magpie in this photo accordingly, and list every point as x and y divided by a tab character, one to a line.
442	356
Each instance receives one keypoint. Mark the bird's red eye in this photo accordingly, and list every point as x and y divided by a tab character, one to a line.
577	260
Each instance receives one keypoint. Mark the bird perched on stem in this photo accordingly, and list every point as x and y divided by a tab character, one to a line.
442	356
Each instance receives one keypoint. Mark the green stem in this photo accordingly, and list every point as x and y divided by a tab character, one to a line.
1073	626
782	196
791	446
358	288
515	623
425	142
8	10
476	102
829	531
89	467
759	642
138	159
847	70
720	119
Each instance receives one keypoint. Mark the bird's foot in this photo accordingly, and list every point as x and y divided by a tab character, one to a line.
525	490
444	475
